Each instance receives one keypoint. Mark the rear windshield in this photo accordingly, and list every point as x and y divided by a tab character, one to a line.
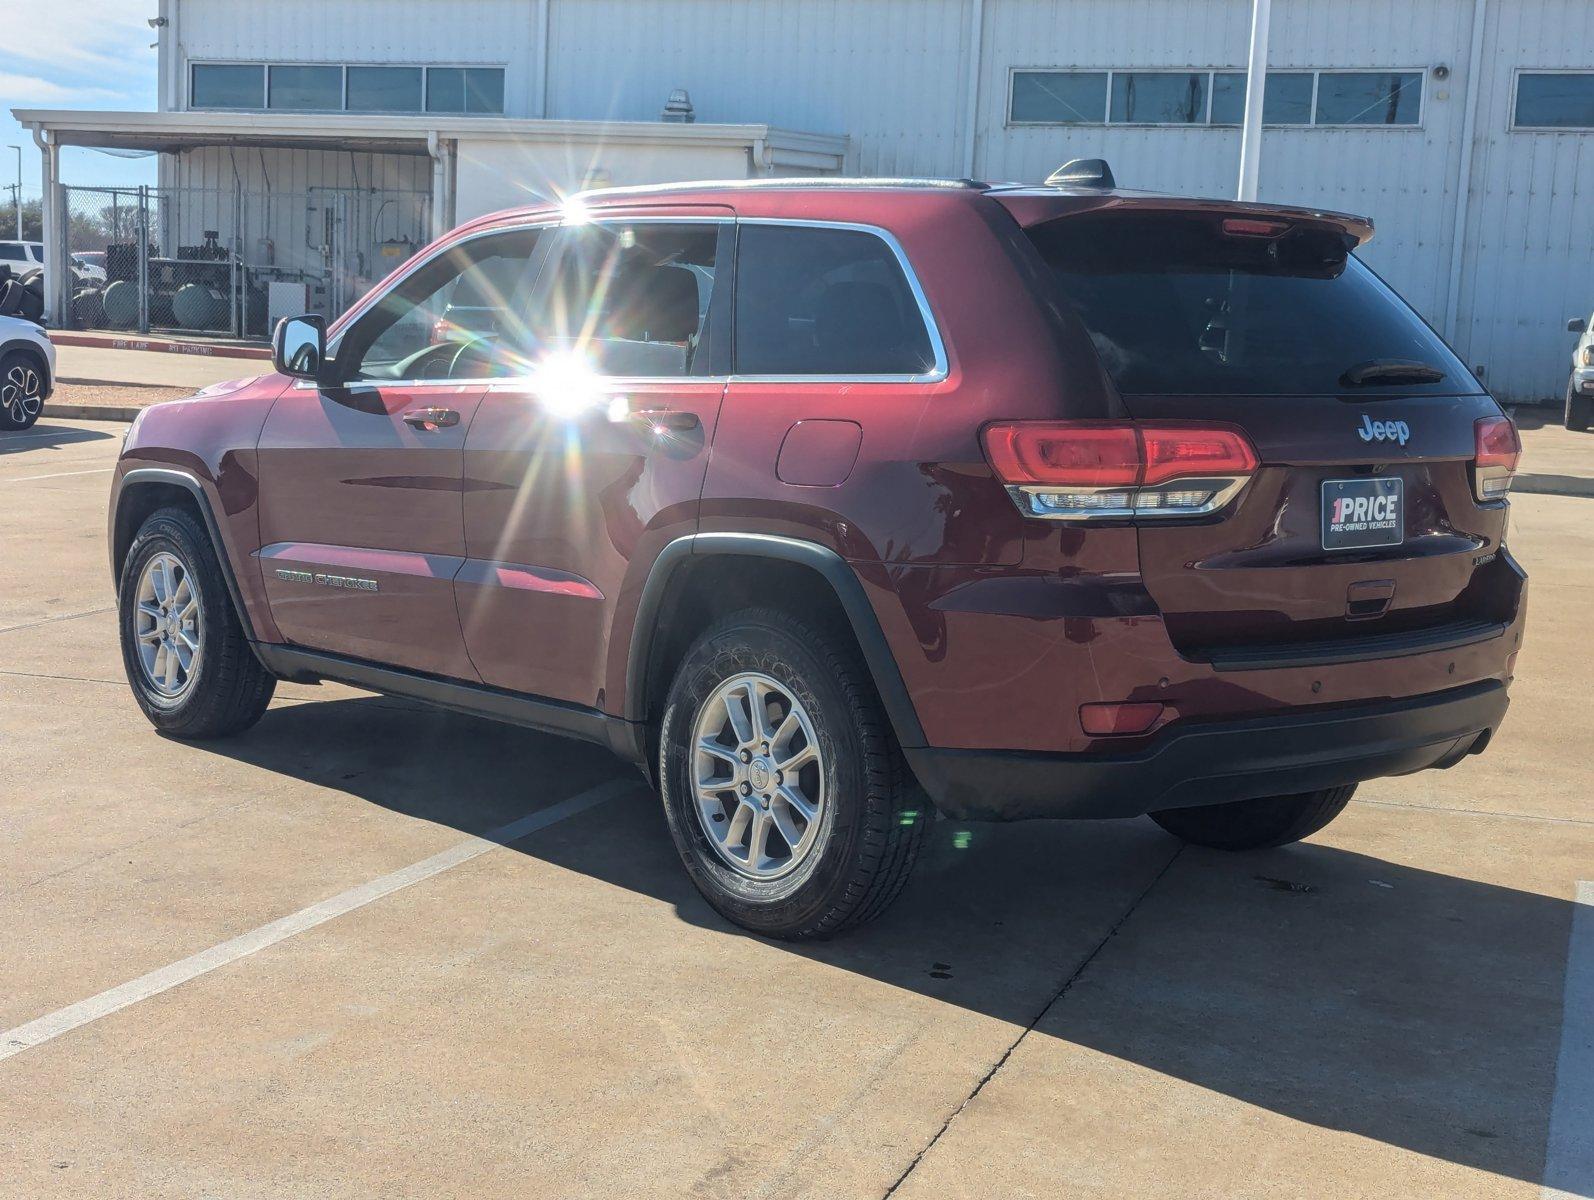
1178	306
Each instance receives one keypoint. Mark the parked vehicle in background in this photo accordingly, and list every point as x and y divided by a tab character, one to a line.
21	257
27	372
1580	384
89	266
1023	502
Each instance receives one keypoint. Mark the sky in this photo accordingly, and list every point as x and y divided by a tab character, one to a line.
75	54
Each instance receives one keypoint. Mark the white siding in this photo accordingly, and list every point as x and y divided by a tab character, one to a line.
893	75
1530	231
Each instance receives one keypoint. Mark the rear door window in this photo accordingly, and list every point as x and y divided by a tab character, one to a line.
1177	306
830	303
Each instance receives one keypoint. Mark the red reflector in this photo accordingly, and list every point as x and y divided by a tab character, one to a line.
1102	719
1076	453
1115	454
1175	452
1497	442
1250	227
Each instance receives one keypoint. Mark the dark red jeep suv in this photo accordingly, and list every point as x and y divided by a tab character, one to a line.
835	503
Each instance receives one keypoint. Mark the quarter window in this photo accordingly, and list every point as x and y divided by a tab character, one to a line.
825	302
627	299
1555	100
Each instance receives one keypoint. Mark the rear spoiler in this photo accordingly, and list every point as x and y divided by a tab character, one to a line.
1034	206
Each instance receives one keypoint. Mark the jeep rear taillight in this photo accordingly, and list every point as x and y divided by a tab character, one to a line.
1099	470
1495	459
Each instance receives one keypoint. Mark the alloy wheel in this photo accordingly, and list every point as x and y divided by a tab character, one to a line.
21	393
757	776
167	625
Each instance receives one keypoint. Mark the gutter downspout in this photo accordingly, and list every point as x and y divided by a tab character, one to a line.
442	155
1469	124
539	105
971	100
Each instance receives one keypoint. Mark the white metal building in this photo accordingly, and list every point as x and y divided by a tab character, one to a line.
1465	128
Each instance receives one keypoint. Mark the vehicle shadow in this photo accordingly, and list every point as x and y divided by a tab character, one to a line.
44	436
1409	1006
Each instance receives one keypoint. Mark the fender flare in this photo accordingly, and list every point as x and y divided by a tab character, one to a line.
182	479
834	569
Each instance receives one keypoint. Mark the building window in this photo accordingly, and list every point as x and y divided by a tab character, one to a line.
384	89
216	85
1066	97
1286	101
1369	98
464	90
1555	100
1159	97
1059	98
313	89
347	88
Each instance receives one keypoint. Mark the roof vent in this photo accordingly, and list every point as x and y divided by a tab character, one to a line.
678	108
1083	172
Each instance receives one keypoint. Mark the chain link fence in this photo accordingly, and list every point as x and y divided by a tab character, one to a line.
231	262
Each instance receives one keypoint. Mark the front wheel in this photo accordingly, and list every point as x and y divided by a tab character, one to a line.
183	648
786	795
1256	824
1579	409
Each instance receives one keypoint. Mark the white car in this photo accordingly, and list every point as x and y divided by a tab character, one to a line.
89	266
21	257
1580	386
27	372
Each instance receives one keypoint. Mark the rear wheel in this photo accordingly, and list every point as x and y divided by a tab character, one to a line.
183	648
785	792
21	390
1579	409
1256	824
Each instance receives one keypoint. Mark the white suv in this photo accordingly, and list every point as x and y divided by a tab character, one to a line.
1580	386
22	257
27	372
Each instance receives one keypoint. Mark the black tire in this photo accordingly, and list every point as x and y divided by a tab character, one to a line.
875	818
22	384
228	689
1579	410
1256	824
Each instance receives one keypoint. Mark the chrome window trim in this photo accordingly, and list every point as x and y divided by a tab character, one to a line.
936	374
1227	488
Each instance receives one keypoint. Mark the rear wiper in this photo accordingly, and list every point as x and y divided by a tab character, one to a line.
1390	370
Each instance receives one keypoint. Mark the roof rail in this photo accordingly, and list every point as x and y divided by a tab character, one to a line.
1083	172
779	182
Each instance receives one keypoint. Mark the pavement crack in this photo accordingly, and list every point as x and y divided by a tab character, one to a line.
1039	1016
62	617
63	678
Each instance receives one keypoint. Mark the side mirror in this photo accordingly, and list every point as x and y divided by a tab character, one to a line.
1577	325
299	346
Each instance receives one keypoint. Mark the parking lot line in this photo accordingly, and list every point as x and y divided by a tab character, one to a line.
1569	1149
74	1016
60	475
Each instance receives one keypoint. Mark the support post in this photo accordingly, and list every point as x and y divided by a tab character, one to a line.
1255	86
143	258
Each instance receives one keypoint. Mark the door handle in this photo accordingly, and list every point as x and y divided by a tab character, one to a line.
676	420
431	419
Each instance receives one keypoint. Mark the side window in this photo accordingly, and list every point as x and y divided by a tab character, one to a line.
628	299
460	316
827	302
11	252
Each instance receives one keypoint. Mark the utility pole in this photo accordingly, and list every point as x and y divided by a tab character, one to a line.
1255	83
17	195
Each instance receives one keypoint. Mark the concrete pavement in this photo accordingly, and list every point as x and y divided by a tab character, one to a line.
1051	1009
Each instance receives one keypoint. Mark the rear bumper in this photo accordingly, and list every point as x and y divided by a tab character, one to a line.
1211	763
